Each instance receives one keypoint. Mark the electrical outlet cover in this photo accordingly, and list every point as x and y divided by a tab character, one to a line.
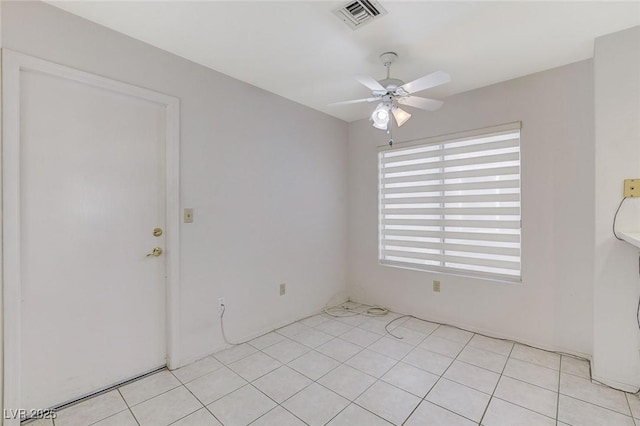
188	215
632	187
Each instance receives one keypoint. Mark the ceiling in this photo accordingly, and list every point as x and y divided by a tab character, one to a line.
301	51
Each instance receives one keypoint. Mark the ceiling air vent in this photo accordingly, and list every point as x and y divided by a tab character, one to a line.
359	12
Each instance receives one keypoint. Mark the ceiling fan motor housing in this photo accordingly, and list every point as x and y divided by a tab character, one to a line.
387	99
391	84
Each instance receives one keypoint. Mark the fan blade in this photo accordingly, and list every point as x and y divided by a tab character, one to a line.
354	101
428	81
422	103
370	82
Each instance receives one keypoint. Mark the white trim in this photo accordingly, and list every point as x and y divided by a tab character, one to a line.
12	64
451	137
626	387
11	236
172	177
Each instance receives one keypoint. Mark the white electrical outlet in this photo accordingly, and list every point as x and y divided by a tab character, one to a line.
283	289
221	304
436	286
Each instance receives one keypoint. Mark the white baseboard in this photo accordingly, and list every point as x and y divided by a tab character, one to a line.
243	339
497	335
627	387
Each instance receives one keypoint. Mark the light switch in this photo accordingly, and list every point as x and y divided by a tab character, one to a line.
188	215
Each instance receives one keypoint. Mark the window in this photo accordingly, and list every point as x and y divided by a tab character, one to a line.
452	203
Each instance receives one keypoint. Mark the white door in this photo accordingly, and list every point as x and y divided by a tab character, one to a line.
92	181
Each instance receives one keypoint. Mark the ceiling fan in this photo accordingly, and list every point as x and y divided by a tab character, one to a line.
392	92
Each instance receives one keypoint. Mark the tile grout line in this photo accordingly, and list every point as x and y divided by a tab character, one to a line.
560	372
441	375
110	415
558	397
398	361
540	365
414	346
223	365
276	402
542	388
523	407
128	406
484	413
283	364
461	384
423	399
377	379
594	404
312	349
500	376
340	363
559	392
153	397
598	406
277	406
629	395
312	381
197	399
626	395
359	406
149	399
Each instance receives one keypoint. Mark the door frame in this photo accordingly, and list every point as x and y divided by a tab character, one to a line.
13	63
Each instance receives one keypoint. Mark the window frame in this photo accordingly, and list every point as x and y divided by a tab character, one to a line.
442	140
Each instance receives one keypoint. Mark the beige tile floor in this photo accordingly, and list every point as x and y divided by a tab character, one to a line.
349	372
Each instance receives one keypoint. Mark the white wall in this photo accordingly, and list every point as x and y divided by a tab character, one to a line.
552	308
266	178
1	271
617	142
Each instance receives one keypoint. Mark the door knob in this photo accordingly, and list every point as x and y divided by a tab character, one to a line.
155	252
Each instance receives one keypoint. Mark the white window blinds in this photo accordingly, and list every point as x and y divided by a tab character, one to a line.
452	204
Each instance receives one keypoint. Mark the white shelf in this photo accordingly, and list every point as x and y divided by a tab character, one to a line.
632	237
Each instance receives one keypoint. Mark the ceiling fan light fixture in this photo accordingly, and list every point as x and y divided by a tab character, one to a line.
380	116
400	115
393	92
